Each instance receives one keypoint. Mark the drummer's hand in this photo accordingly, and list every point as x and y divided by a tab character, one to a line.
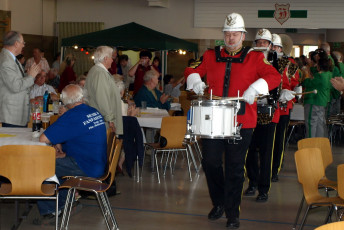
112	126
286	95
199	87
164	98
249	95
338	83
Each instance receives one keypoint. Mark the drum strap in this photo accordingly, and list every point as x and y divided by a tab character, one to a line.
229	61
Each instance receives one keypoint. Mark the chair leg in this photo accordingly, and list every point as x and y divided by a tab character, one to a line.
291	132
188	162
167	158
157	166
105	207
67	209
304	217
298	212
188	145
57	210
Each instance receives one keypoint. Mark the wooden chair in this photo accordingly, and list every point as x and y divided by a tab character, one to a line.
332	226
27	167
340	180
53	118
173	129
98	187
185	102
324	145
310	170
326	153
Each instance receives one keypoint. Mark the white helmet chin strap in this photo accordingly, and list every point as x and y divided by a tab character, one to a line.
236	44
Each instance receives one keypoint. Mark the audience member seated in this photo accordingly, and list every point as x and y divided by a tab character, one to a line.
68	75
148	93
38	59
124	67
81	81
53	78
172	86
21	60
79	137
39	88
132	134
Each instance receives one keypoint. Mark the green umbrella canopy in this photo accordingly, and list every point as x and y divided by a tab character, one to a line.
130	36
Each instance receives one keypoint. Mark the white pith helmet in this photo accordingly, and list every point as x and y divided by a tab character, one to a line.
234	22
263	34
276	40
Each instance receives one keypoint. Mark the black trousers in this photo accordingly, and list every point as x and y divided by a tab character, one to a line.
132	142
259	157
281	130
225	186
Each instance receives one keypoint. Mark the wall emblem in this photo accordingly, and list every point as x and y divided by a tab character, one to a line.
282	12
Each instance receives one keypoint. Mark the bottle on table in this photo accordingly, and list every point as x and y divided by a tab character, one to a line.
36	118
46	98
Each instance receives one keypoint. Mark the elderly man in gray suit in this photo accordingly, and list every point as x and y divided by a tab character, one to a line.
14	83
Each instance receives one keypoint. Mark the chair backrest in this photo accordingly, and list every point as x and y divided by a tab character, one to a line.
322	143
27	166
114	161
332	226
310	170
184	101
340	180
53	118
173	129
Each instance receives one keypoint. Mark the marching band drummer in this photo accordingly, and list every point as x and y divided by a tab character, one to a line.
231	69
262	143
290	73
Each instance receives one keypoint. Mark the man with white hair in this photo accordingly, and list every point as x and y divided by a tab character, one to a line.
102	92
230	70
150	94
79	137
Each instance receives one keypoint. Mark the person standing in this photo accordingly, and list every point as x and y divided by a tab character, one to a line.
285	67
140	68
15	84
229	70
102	92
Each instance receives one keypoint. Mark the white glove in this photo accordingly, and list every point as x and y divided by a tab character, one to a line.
298	90
286	95
195	83
258	87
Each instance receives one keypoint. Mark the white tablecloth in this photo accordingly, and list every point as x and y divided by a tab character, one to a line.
151	117
21	136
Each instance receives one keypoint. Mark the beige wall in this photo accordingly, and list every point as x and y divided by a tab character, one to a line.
31	16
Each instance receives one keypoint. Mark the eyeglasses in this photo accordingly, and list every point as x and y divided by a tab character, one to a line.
22	42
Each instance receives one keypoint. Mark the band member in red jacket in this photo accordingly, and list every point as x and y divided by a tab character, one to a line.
229	70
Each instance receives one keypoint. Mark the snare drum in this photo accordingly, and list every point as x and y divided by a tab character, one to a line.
214	119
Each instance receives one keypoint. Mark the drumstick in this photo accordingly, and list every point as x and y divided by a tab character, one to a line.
314	91
241	98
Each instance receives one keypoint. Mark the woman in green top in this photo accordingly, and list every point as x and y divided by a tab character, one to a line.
315	104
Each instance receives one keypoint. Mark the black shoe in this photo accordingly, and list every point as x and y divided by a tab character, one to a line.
274	178
250	191
216	212
262	197
233	223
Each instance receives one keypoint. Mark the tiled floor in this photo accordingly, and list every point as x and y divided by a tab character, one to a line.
177	203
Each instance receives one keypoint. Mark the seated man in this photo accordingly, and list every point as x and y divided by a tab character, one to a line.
149	93
79	137
39	88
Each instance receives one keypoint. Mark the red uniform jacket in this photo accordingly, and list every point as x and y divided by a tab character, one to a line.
242	75
290	85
